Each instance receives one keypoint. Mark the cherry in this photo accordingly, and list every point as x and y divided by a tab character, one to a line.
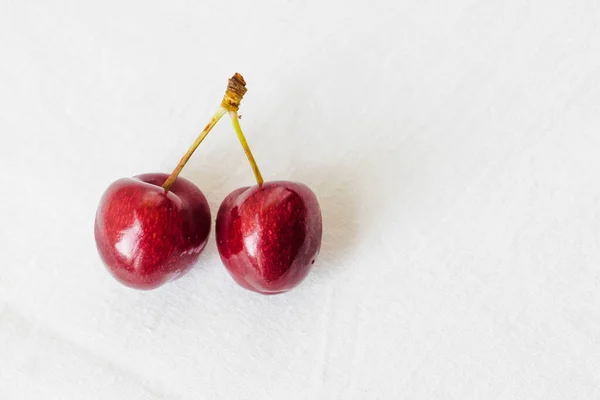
151	228
147	236
268	235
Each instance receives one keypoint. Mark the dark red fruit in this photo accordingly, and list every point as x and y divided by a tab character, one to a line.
147	236
268	236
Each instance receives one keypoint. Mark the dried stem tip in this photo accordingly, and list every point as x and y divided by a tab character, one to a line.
236	88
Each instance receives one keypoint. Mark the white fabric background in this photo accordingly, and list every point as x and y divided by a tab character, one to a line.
454	147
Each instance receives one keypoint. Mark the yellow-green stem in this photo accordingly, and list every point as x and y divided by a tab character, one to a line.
171	179
238	130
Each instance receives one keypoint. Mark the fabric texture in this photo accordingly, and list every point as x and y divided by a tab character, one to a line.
453	147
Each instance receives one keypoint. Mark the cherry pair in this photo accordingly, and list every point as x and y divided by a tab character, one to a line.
151	228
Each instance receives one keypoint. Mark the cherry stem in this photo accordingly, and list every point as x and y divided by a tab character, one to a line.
236	88
238	130
171	179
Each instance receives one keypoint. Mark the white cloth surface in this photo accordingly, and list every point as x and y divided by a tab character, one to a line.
454	147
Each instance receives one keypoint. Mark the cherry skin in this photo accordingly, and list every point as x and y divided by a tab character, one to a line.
269	235
147	236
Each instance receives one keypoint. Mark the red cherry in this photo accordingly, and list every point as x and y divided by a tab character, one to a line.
151	229
268	236
147	236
